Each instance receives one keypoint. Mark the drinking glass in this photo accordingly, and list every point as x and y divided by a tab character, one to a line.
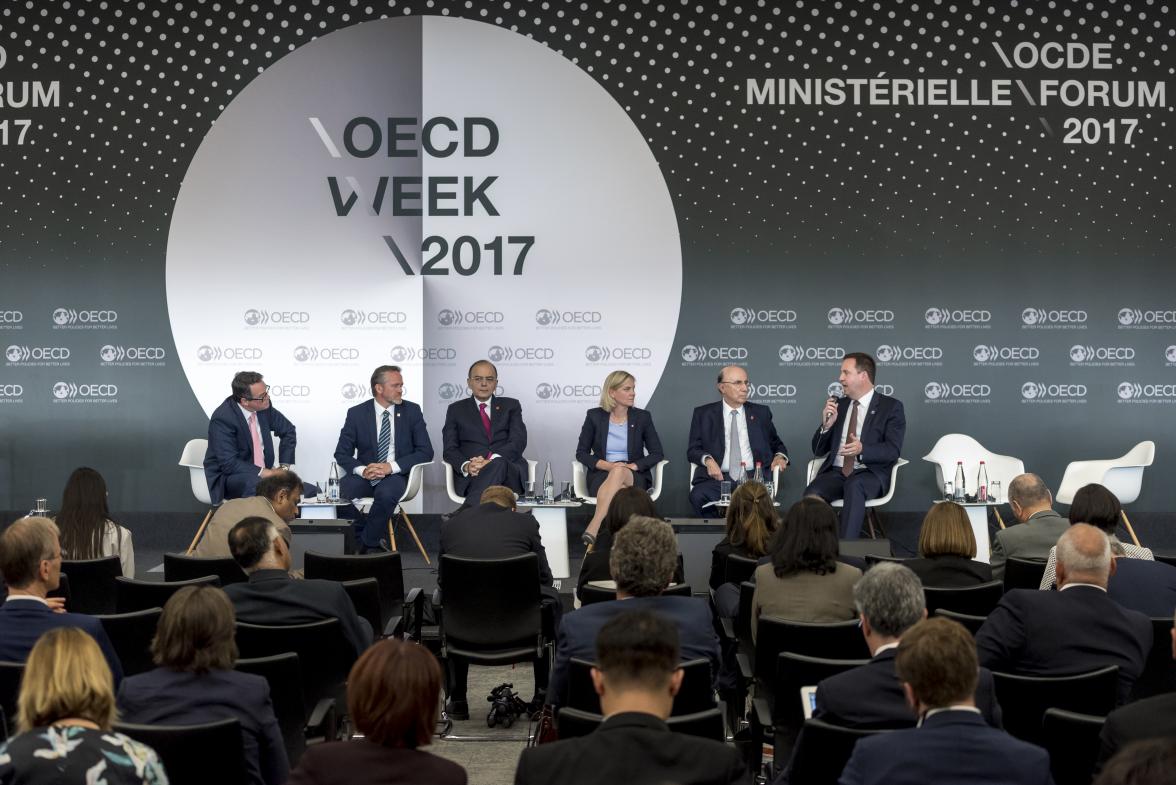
994	491
725	492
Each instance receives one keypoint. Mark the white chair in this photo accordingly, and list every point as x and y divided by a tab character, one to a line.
450	475
871	516
192	459
580	481
415	477
955	447
1122	476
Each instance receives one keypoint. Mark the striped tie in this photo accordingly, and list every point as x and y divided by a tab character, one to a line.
384	443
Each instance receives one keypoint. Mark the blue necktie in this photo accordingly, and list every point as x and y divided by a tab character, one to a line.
384	443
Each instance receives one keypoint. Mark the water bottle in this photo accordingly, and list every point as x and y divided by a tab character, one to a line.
742	472
759	472
982	484
548	484
959	481
333	483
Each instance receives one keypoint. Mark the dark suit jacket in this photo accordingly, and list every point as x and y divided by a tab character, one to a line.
1150	718
463	436
1062	633
707	431
366	763
577	633
230	446
492	532
22	622
1145	586
595	566
167	697
642	436
950	571
273	597
951	746
358	440
635	749
871	696
882	433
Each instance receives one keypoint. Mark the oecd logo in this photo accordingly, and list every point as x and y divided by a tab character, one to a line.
789	354
63	391
1129	316
131	354
259	317
595	354
1040	317
67	317
14	354
740	315
253	317
356	318
863	317
1170	354
353	392
1031	390
957	317
934	390
447	317
692	353
1135	317
838	316
551	317
1079	354
400	354
449	392
108	353
810	355
545	391
61	316
14	317
208	354
349	318
1129	390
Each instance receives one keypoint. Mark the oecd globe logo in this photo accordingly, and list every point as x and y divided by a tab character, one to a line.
544	316
13	353
982	353
352	391
886	353
837	316
399	354
545	391
447	391
496	354
1029	316
1170	354
594	354
108	353
934	390
1126	316
1126	391
1078	353
446	316
61	390
253	317
740	316
60	316
205	353
301	354
349	317
934	316
1029	390
692	353
789	353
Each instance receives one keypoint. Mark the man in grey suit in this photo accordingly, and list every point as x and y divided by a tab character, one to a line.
1038	526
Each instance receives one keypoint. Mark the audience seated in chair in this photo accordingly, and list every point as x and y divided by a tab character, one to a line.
276	500
1074	630
636	677
495	530
1038	526
625	504
936	663
642	561
1150	762
195	683
1145	586
66	712
272	597
751	521
393	697
87	532
1097	506
30	559
1149	718
889	600
804	580
947	549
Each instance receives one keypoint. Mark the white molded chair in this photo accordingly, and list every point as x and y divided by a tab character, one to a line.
1122	476
955	447
450	474
580	481
192	459
871	517
415	477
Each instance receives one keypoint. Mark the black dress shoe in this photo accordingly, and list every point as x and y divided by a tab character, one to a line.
457	710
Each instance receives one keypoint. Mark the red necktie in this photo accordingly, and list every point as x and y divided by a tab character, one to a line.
848	461
485	423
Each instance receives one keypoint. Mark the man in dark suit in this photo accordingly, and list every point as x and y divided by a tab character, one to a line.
30	560
1145	586
1073	630
636	677
240	439
728	438
890	599
494	530
936	663
861	438
1038	526
484	437
1150	718
642	560
272	597
381	440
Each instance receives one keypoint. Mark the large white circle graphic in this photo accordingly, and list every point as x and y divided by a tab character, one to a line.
424	192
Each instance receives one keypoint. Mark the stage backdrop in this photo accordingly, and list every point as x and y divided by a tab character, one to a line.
979	194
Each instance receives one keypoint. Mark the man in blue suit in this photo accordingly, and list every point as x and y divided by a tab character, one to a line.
861	438
936	663
240	440
729	437
381	440
484	437
30	560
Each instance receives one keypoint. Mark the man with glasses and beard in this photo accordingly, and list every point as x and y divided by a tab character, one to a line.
240	440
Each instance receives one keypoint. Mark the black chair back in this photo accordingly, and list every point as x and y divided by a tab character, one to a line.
1072	741
837	640
130	634
743	618
178	567
739	569
91	584
1159	672
794	671
972	623
590	594
1024	699
384	567
324	654
365	596
822	750
491	603
707	724
1023	573
10	676
284	675
876	558
195	754
61	591
132	595
1166	558
695	695
976	600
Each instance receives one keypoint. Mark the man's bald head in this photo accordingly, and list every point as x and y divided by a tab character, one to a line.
1028	494
1084	556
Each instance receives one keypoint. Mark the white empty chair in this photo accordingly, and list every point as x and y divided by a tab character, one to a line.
450	475
953	447
1122	476
411	489
192	459
580	481
871	517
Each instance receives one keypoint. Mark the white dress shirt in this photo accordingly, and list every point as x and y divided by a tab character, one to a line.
744	442
358	471
863	408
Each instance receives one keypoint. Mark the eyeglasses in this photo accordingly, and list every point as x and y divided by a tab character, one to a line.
745	383
483	379
261	397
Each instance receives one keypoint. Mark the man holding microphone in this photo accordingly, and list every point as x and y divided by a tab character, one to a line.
861	438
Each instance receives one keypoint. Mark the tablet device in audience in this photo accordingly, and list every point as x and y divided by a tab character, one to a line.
808	699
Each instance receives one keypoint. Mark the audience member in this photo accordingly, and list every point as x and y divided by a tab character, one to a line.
889	600
276	500
1038	526
1151	762
271	596
804	581
195	683
87	532
936	663
751	521
625	504
1073	630
30	558
947	549
1145	586
495	530
1145	719
393	696
66	710
636	677
642	562
1097	506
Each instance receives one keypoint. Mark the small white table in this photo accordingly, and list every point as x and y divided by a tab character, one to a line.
978	517
553	529
313	509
